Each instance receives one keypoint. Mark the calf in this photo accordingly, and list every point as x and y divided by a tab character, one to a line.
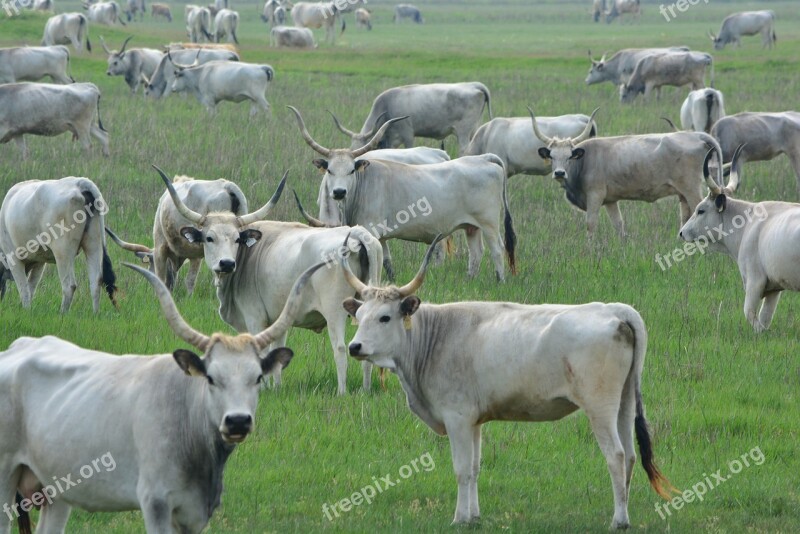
161	10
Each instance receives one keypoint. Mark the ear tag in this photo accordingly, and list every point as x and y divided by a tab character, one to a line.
250	242
353	320
407	322
548	161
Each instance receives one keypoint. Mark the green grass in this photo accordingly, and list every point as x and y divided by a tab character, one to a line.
714	390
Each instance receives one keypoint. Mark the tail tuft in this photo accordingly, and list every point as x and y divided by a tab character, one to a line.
24	519
109	278
658	481
510	242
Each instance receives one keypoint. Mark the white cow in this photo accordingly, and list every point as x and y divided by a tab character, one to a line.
621	7
225	24
134	7
135	65
160	84
746	23
198	23
65	29
363	18
672	68
162	10
32	63
407	11
291	37
701	109
318	14
104	13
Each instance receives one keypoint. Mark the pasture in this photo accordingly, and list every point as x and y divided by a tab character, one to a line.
714	390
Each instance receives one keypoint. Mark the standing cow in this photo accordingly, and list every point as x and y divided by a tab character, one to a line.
160	84
274	12
225	24
621	7
65	29
52	221
32	63
702	109
746	23
673	68
619	68
135	64
464	364
134	7
318	14
104	13
198	24
407	11
363	18
162	10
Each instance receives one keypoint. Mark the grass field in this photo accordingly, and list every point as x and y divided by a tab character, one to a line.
714	390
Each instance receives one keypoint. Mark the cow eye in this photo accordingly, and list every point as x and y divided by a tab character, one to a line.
210	380
209	239
700	212
384	319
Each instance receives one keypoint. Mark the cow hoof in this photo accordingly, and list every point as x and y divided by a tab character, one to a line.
620	525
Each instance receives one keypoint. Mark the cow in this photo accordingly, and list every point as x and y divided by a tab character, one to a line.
217	81
47	109
746	23
134	7
225	24
619	68
52	221
162	10
674	68
107	13
464	364
407	11
43	5
602	171
160	84
254	261
135	64
759	236
767	136
162	431
363	18
274	12
701	109
291	37
621	7
598	8
315	15
510	139
376	192
65	29
32	63
434	111
198	24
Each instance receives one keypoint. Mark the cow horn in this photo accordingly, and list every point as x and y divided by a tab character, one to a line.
377	137
103	43
132	247
671	124
713	186
173	316
310	219
733	180
712	36
352	279
543	138
193	216
412	287
175	63
342	128
375	127
588	130
122	50
262	213
602	58
307	136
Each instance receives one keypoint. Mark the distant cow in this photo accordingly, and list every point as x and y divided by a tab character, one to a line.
291	37
464	364
43	5
65	29
274	12
161	10
746	23
135	64
198	24
160	84
407	11
763	238
675	68
598	8
104	13
46	109
52	221
134	7
225	24
701	109
767	136
619	68
621	7
318	14
363	18
32	63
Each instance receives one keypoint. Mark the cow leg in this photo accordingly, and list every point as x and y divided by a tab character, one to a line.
65	263
387	261
474	507
101	136
475	247
35	272
794	159
625	421
157	513
54	517
161	258
462	448
616	219
768	308
492	238
336	333
94	268
603	421
21	280
191	276
593	204
753	293
23	147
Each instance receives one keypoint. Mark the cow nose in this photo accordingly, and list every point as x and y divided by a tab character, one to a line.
560	174
108	73
680	234
227	266
339	193
238	424
355	349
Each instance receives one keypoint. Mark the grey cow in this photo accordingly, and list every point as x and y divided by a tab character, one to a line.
746	23
32	63
619	67
135	65
160	84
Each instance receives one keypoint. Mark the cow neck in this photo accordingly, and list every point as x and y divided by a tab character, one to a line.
573	186
732	242
230	285
354	199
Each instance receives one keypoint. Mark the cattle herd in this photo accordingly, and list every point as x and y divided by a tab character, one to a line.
269	275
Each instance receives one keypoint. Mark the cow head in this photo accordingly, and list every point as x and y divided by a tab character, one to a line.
231	368
221	233
560	151
117	61
179	82
384	315
597	72
719	44
341	165
360	139
628	92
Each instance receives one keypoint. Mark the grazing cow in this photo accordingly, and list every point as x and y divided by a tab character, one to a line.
434	111
621	7
254	262
746	23
407	11
225	24
673	68
160	84
376	192
464	364
767	136
600	172
104	13
198	24
291	37
217	81
134	7
701	109
510	139
43	5
47	109
363	18
51	221
32	63
162	10
316	15
619	68
163	432
65	29
763	238
135	64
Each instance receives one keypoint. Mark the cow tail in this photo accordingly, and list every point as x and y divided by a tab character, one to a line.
370	257
91	195
69	67
344	26
487	98
85	30
508	223
710	97
712	72
99	121
24	518
235	39
116	11
269	72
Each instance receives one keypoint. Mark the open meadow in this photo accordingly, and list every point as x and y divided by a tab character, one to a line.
714	389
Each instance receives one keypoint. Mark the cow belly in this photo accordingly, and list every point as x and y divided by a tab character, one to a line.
521	408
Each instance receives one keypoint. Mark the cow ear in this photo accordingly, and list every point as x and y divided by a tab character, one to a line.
409	305
280	356
321	164
192	235
720	201
361	165
351	306
189	362
544	153
249	237
577	153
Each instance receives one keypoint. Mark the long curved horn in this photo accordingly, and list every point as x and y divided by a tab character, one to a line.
671	124
310	219
175	63
193	216
713	186
588	130
352	279
122	50
543	138
603	57
290	309
376	138
262	213
132	247
733	181
307	136
712	36
103	43
375	126
412	287
171	313
341	128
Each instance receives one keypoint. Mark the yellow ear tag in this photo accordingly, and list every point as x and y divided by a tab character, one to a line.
353	320
407	322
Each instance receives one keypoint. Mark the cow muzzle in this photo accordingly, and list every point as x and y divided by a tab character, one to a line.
560	174
355	351
236	428
225	267
339	193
